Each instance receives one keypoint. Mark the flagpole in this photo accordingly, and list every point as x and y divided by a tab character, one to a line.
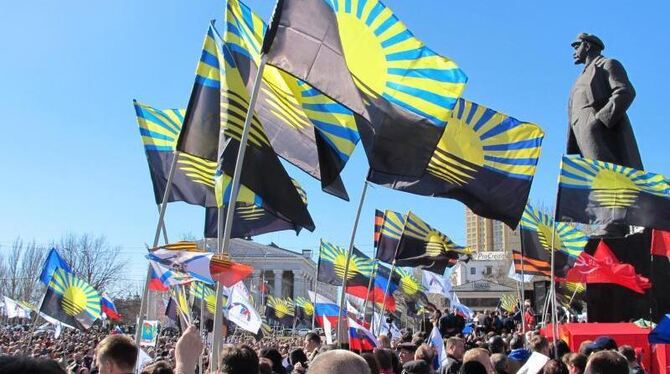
554	309
346	266
159	226
388	281
316	283
367	294
224	242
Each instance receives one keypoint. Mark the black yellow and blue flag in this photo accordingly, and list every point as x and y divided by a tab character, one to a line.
390	231
203	302
71	300
410	286
485	159
332	263
305	127
304	309
280	310
193	180
538	229
423	246
361	55
597	192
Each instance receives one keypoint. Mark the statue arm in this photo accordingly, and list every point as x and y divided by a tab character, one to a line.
622	95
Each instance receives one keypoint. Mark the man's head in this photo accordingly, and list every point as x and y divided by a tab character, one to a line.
238	360
406	352
496	344
424	352
455	347
629	353
516	342
384	341
312	342
480	355
116	354
606	362
540	344
586	45
499	363
603	343
338	361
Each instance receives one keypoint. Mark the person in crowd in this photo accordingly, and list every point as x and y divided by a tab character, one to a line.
473	367
116	354
576	362
385	358
297	356
560	349
539	356
500	363
240	359
496	344
406	352
384	341
264	365
369	357
159	367
480	355
633	363
518	353
455	349
23	364
602	343
606	362
312	345
584	348
338	361
425	352
276	358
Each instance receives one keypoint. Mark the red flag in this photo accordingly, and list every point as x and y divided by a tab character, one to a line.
583	266
660	243
226	271
610	270
376	295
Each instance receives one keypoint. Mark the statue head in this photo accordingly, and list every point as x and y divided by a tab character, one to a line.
586	46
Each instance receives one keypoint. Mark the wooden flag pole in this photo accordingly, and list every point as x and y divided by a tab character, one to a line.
160	226
340	336
224	238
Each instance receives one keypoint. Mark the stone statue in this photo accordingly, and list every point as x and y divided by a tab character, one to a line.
598	127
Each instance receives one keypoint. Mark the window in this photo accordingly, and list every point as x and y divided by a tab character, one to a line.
473	271
489	270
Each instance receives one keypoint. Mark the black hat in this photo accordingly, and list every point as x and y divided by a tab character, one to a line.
586	37
416	367
408	346
602	343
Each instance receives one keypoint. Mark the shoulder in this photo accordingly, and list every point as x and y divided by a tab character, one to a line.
609	63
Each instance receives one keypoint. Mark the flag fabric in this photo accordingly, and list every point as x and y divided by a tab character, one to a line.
538	229
280	310
324	308
204	296
107	306
203	266
597	192
389	235
172	311
248	220
149	333
484	159
660	243
14	310
327	330
508	302
360	338
240	310
461	309
365	58
423	246
435	341
71	300
304	308
162	277
193	179
434	283
53	262
661	332
410	286
305	127
332	263
208	113
379	220
608	269
518	276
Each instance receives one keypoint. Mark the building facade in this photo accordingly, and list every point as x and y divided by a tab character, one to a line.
487	235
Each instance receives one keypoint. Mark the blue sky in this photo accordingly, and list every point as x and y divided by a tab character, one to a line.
73	159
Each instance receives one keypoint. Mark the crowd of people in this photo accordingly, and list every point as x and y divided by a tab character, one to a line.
494	345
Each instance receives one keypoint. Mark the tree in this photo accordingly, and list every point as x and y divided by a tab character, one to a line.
20	269
92	258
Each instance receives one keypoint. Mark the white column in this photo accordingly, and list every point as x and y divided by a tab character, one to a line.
278	281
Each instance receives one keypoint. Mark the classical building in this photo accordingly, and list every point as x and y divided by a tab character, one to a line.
487	235
482	294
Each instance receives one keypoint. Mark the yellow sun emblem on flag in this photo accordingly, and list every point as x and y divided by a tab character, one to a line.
408	284
77	296
566	237
338	257
282	307
436	243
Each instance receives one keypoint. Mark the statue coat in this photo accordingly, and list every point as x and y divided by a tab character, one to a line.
602	92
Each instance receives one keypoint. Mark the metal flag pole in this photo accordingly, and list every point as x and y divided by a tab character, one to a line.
224	242
161	225
554	309
523	293
316	282
373	275
346	266
388	281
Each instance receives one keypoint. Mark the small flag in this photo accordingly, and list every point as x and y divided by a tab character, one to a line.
508	302
332	263
434	283
660	243
597	192
241	312
280	310
360	338
389	235
108	307
324	309
14	310
149	333
53	262
71	300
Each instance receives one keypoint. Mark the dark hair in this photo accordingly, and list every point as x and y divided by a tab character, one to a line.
23	364
561	348
372	362
538	343
297	355
472	367
628	352
554	367
276	358
577	360
496	344
516	342
160	367
607	362
238	360
119	349
312	336
384	358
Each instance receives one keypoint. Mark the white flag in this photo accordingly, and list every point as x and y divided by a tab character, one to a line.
436	341
14	310
435	283
240	311
327	329
143	360
517	276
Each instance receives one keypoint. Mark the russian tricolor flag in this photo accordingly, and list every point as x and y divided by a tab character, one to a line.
109	308
156	283
324	308
360	338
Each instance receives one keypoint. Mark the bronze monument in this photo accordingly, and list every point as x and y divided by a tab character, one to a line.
598	127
